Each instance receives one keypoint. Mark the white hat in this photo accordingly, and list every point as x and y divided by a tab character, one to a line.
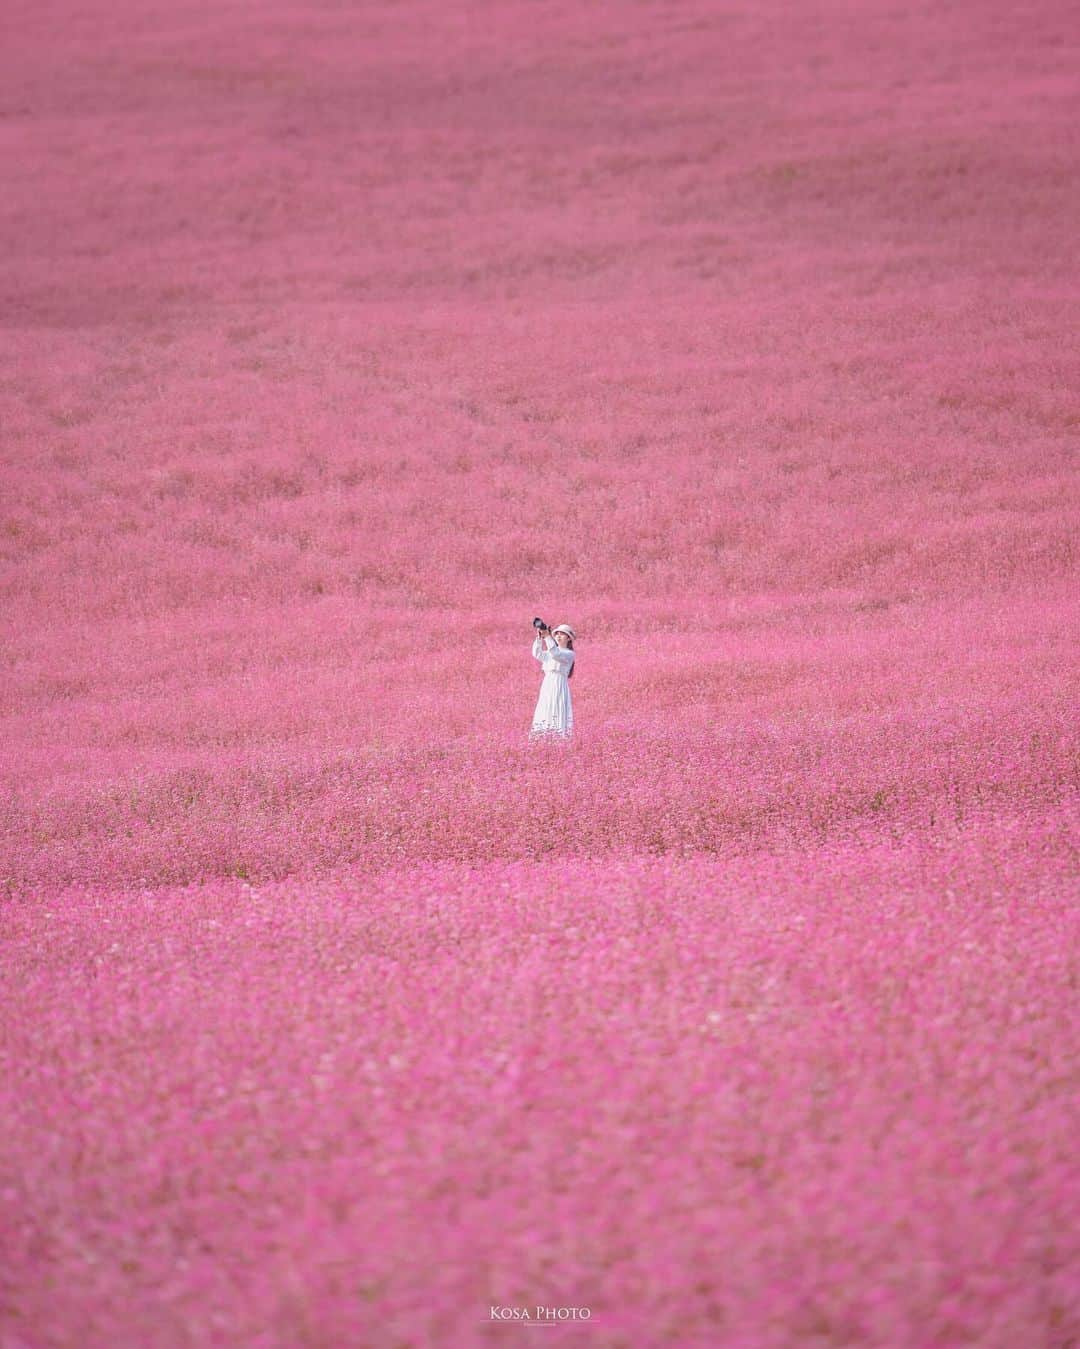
564	627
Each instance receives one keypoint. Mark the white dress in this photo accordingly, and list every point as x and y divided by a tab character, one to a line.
554	710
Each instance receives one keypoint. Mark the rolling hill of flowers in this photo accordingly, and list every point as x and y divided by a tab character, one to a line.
340	341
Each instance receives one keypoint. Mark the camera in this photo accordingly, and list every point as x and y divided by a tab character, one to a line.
539	623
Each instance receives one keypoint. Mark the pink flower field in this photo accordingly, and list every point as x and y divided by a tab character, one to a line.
339	340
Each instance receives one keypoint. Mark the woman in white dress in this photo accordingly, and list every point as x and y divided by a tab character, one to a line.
554	711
